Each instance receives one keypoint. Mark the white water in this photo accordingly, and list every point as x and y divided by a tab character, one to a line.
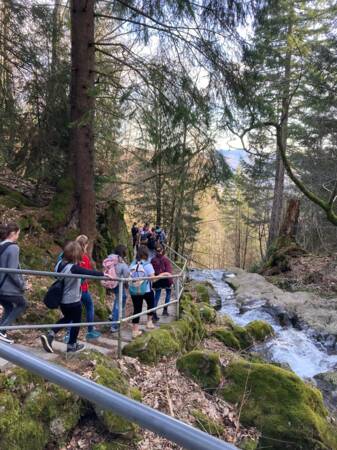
296	348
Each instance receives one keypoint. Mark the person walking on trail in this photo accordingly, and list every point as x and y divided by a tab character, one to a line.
71	305
151	243
86	298
160	235
134	232
122	271
162	265
144	234
12	285
141	290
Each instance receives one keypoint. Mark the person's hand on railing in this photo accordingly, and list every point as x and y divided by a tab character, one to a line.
161	275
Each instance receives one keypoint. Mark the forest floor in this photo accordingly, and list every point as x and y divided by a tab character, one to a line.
317	274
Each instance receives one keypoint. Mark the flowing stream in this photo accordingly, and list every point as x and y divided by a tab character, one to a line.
297	348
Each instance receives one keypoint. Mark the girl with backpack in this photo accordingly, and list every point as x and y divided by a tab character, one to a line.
161	265
71	305
120	270
12	285
141	290
86	298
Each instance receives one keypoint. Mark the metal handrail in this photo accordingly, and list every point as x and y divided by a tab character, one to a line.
149	418
177	279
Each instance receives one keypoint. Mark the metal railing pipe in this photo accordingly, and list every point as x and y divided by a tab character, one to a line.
151	419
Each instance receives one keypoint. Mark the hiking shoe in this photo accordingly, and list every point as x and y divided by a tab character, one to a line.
47	341
92	335
114	329
165	312
5	338
75	347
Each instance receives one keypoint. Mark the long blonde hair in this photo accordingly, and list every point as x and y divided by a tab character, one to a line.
83	241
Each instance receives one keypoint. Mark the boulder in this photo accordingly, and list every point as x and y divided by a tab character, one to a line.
203	367
288	412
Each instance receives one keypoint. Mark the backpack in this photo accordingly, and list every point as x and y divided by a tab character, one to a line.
54	295
144	235
151	243
3	247
109	266
138	287
160	236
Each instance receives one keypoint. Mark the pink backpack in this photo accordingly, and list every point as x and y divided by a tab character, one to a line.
109	269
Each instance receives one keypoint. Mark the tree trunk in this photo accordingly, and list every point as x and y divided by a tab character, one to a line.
290	222
276	213
82	104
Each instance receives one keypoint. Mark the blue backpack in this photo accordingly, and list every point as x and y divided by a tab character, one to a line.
138	287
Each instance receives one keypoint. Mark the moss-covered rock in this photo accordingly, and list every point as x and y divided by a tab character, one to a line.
259	330
202	293
241	338
289	413
150	347
203	367
249	444
114	445
206	424
207	313
173	338
112	378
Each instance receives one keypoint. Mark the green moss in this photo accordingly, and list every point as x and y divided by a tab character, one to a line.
207	313
114	445
152	346
202	293
241	338
203	367
60	207
113	379
259	330
289	413
206	424
227	337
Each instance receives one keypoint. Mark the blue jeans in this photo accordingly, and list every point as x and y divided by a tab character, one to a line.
115	307
88	304
157	293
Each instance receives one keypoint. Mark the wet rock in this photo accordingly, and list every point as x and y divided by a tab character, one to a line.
327	383
301	309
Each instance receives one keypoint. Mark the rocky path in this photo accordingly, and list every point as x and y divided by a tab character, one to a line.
106	344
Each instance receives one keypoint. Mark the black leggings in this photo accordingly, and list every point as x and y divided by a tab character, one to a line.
72	312
13	307
137	301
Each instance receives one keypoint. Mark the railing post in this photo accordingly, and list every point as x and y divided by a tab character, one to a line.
120	315
177	286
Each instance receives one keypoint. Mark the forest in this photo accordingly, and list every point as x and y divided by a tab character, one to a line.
217	121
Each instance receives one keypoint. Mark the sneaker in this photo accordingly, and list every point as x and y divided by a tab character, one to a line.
92	335
75	347
136	333
150	325
165	312
4	338
66	338
114	329
47	341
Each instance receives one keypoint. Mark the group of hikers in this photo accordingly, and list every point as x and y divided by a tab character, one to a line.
150	261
